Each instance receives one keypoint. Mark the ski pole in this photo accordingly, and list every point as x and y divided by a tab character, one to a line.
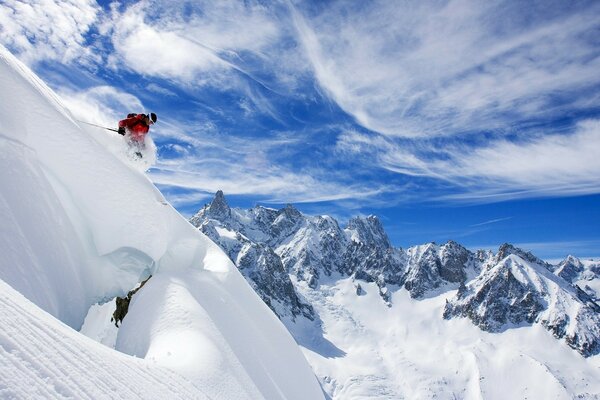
97	126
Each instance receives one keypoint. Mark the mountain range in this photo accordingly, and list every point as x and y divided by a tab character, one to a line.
495	291
290	258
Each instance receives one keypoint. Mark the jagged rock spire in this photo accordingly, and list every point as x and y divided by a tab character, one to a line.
368	231
219	208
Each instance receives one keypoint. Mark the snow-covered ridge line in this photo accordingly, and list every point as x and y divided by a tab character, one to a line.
495	290
82	225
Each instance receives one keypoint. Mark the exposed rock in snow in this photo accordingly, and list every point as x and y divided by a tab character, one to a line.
517	291
368	231
583	274
255	260
122	304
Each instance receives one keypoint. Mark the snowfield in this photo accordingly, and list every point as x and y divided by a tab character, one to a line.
367	350
82	224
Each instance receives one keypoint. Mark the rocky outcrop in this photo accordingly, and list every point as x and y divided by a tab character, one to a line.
123	304
585	276
368	231
518	291
497	299
431	267
257	261
265	272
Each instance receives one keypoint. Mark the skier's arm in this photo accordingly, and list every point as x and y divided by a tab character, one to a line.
128	122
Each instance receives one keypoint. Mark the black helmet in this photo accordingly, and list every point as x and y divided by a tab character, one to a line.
153	117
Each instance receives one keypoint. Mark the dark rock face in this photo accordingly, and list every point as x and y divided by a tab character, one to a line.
257	262
265	272
217	209
423	272
569	269
431	267
123	304
331	243
496	301
385	266
286	223
453	261
369	231
517	291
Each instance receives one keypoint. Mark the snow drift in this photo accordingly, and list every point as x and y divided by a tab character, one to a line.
80	226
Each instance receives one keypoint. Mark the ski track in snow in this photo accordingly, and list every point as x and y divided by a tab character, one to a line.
57	362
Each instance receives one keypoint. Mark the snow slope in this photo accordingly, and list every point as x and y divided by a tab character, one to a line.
42	358
367	350
80	226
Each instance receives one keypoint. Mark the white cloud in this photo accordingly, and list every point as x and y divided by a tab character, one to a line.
280	185
186	41
409	71
429	69
48	29
544	165
208	161
551	161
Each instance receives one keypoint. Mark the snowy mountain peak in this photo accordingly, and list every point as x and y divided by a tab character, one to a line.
569	268
219	208
518	291
583	274
368	231
507	249
496	292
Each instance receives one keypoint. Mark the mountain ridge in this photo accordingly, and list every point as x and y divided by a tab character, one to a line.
309	248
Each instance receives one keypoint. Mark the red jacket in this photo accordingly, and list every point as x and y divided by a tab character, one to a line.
136	127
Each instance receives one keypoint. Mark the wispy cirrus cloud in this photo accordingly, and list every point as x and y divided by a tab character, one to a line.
441	69
209	160
198	159
489	222
48	29
548	165
203	42
500	169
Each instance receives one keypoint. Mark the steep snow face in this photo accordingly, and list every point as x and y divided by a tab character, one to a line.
82	225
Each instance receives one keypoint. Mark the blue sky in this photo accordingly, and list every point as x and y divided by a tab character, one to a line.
465	120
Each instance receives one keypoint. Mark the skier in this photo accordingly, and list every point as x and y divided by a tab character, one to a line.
135	127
